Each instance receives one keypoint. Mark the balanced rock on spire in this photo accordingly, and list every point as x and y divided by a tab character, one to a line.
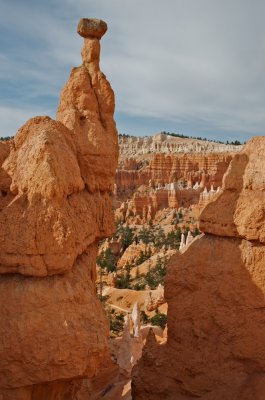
86	107
91	28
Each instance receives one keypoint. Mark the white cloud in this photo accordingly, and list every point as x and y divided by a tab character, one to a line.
12	118
191	61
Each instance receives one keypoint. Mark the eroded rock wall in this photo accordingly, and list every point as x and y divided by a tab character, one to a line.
206	169
144	204
56	206
215	293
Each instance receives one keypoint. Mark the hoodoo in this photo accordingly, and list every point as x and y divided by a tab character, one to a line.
56	185
215	292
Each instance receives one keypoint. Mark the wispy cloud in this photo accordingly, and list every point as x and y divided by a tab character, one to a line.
195	66
12	117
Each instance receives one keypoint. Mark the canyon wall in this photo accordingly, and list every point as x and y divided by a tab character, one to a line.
206	169
144	187
57	179
215	293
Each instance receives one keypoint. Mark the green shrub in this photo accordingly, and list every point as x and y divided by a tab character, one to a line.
144	318
124	279
143	256
159	319
196	231
156	275
146	234
139	286
127	235
116	321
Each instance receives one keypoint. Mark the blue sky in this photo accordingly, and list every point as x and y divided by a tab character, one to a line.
190	66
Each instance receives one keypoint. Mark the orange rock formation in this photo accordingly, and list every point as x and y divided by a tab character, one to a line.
55	204
206	169
215	293
145	203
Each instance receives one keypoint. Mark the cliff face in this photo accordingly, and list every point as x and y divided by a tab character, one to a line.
191	167
162	169
215	293
166	181
55	207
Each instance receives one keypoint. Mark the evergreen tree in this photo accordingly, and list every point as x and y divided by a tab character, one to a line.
106	260
127	235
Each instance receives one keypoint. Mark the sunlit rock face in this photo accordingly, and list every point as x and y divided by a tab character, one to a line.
56	182
215	292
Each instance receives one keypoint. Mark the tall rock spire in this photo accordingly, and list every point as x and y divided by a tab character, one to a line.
55	204
86	107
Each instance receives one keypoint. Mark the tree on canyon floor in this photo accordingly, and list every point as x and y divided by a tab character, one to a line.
106	260
124	278
173	238
196	231
159	319
154	276
157	236
146	234
127	236
144	255
116	321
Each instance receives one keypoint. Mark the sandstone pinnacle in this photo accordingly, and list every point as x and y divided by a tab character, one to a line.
59	177
91	28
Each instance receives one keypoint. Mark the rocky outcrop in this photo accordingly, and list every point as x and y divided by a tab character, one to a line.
48	195
130	348
241	203
57	205
133	252
215	293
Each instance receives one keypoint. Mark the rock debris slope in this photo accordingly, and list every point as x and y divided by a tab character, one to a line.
215	292
56	203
